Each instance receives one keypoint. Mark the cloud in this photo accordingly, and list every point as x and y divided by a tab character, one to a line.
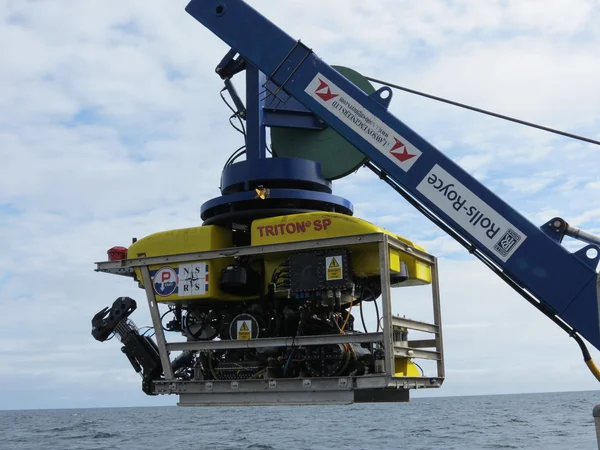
111	128
532	185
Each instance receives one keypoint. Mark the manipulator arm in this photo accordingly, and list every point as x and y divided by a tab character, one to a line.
141	351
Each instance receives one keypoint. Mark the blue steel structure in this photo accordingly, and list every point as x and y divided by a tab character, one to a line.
295	185
530	258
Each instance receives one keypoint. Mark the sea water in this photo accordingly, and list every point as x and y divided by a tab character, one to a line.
528	421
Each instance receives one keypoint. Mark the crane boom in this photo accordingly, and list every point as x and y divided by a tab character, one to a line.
529	257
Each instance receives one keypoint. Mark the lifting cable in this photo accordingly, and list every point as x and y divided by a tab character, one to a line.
483	111
468	245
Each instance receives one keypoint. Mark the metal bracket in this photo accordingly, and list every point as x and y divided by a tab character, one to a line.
383	96
230	65
590	255
555	229
281	86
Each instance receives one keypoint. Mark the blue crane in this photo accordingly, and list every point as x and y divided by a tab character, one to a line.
528	257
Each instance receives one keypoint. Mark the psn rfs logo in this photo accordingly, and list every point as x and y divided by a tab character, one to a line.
165	281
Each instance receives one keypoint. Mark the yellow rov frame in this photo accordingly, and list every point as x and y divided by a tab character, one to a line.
273	230
394	374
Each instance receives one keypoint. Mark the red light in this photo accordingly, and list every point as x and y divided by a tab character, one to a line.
117	253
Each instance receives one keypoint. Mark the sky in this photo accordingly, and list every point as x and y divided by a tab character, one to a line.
111	127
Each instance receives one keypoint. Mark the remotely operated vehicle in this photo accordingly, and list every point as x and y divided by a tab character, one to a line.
266	292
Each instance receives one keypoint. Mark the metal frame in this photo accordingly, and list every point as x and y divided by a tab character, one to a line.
306	390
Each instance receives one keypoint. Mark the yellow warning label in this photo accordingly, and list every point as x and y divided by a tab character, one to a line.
334	268
244	333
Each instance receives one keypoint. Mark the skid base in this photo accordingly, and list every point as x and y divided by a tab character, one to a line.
296	398
268	399
323	391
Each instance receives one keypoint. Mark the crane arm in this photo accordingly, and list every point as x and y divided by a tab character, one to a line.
528	257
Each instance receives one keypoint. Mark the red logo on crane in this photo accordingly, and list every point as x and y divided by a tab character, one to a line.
324	91
400	152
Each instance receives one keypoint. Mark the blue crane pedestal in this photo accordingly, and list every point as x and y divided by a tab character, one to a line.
264	186
289	186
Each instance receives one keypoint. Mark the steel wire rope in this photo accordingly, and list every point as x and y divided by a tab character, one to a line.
483	111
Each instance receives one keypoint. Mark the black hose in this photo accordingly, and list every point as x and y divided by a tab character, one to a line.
242	129
163	316
362	319
420	368
378	318
376	309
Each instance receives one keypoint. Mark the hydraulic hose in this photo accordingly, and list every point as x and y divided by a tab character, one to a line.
593	368
587	357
